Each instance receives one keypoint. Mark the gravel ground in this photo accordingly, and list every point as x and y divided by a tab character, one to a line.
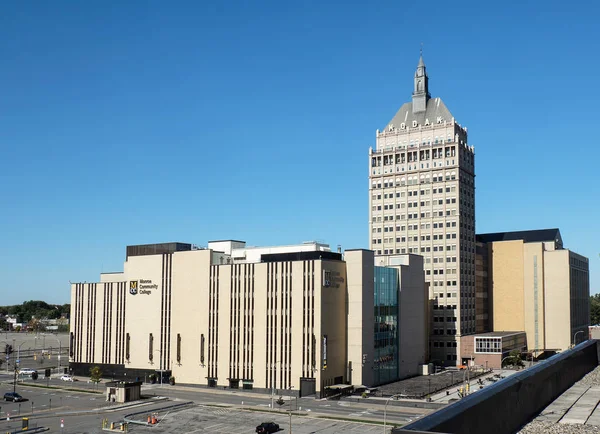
591	379
535	427
557	428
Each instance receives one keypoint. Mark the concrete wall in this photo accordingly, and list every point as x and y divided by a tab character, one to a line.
558	302
239	300
509	404
359	264
534	284
191	278
411	322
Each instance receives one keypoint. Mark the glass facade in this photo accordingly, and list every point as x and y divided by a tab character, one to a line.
386	325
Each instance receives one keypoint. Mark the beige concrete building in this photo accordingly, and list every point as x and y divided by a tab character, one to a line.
229	316
422	201
387	317
535	285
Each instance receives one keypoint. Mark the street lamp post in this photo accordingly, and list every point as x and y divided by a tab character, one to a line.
575	337
501	361
59	351
19	352
291	409
385	411
272	386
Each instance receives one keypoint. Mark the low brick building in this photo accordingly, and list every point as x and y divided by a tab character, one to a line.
488	349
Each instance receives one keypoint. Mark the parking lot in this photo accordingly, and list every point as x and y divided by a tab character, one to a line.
41	400
227	420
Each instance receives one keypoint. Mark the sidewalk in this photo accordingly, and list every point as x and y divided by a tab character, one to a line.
474	386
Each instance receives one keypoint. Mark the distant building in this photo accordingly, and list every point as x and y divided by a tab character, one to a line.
594	332
422	201
488	349
387	317
298	317
536	285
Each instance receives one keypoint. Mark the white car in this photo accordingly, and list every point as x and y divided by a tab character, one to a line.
66	378
27	371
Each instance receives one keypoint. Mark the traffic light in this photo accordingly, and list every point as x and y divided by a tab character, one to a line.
10	349
6	349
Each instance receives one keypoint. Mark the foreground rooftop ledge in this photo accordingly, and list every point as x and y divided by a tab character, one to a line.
530	391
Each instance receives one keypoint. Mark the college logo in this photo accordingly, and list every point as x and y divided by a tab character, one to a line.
133	287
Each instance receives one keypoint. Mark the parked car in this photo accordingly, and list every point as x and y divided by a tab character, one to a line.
13	396
267	427
66	378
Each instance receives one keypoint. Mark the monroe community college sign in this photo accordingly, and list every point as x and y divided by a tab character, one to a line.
142	286
332	279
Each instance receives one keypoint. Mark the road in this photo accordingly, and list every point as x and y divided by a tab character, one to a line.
51	405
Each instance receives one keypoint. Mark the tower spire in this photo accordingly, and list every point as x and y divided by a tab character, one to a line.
420	94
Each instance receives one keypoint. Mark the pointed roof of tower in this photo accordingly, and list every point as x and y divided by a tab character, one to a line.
431	111
435	108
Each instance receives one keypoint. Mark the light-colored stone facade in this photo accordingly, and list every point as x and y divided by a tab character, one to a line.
288	322
422	201
540	288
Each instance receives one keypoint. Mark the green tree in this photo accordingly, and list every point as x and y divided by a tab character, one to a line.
595	309
95	374
513	359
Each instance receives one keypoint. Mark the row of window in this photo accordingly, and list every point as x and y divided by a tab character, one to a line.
441	331
424	203
449	282
415	238
414	179
442	307
415	250
414	167
412	193
411	227
441	319
435	152
437	344
448	295
411	157
411	216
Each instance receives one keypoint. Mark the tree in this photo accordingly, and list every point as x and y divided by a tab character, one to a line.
514	359
95	374
595	309
35	325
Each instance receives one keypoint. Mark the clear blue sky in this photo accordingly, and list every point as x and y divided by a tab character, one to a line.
138	122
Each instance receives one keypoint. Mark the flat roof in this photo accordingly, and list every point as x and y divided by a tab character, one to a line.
532	236
224	241
496	334
300	256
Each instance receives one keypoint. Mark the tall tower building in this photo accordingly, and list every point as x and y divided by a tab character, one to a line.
422	201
